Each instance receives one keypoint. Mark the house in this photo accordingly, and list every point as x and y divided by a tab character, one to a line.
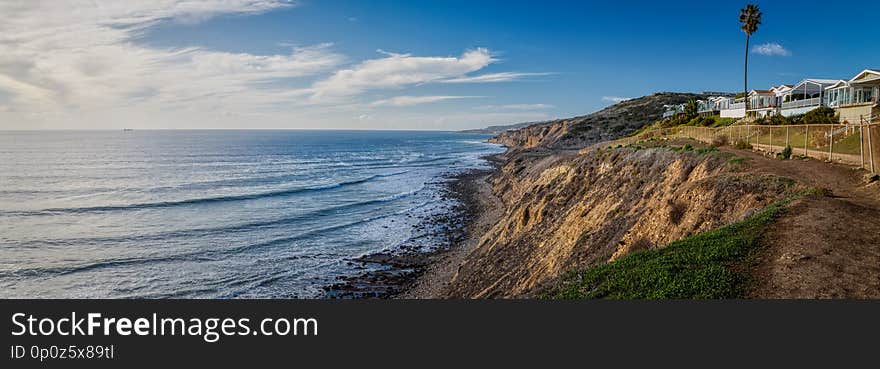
781	93
711	106
836	94
730	107
762	103
803	97
856	100
672	110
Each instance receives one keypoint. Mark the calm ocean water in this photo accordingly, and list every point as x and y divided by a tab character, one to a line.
213	214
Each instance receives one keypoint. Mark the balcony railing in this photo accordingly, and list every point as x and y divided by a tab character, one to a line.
802	103
735	106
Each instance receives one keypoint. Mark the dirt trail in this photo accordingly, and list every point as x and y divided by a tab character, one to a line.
823	247
845	182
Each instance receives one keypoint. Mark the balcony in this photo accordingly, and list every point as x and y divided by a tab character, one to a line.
802	103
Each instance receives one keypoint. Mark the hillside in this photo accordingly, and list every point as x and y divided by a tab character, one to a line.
567	217
564	213
494	130
612	122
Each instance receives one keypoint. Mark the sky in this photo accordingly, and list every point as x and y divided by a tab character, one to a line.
436	65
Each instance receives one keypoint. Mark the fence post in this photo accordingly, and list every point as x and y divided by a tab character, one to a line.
806	139
770	146
786	137
870	148
831	145
861	144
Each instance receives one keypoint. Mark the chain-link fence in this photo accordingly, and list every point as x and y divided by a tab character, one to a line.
852	144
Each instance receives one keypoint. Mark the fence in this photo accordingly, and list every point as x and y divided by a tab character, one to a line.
852	144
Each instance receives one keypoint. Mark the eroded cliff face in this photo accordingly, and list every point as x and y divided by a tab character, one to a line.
566	212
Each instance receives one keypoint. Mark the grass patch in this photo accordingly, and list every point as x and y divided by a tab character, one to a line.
736	160
698	266
706	150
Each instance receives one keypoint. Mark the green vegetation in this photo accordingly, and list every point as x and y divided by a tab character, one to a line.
742	145
699	151
691	108
723	122
786	153
685	148
706	150
736	160
820	115
698	266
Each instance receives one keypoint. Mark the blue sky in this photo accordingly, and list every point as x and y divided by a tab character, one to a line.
397	64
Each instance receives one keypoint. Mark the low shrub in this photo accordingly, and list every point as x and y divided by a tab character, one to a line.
719	141
742	145
705	150
702	121
786	153
820	115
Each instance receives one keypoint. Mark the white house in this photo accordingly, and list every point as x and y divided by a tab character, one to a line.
729	107
804	96
837	94
762	103
857	100
672	110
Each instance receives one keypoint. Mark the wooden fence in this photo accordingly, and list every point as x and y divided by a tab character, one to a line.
852	144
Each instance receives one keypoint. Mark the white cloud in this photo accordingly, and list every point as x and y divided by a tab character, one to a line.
83	64
517	107
77	56
415	100
493	77
771	49
396	71
615	99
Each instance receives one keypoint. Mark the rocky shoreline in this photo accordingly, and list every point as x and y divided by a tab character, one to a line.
405	272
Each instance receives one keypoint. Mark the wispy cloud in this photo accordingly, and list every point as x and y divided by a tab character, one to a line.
493	77
96	64
517	107
615	99
86	61
397	71
416	100
771	49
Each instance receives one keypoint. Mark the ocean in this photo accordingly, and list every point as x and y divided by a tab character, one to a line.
215	214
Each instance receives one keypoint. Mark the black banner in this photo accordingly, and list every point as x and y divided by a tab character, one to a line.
39	333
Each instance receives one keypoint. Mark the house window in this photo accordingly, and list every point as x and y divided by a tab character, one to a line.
863	95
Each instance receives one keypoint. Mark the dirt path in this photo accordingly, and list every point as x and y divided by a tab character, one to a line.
845	182
824	246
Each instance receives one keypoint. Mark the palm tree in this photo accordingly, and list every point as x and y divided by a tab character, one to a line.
750	17
691	108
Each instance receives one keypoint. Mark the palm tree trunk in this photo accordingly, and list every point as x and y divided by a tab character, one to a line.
746	76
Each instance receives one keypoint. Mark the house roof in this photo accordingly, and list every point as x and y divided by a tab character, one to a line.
838	84
866	72
821	83
760	92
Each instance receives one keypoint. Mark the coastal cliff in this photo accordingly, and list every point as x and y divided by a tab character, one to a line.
571	217
564	213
